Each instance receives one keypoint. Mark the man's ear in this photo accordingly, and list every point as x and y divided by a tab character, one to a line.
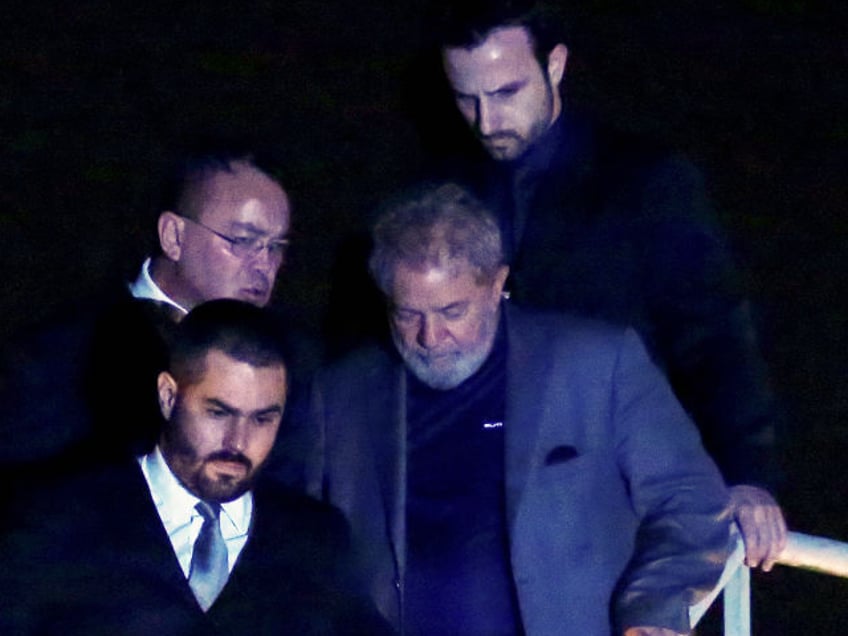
500	281
171	227
557	59
167	388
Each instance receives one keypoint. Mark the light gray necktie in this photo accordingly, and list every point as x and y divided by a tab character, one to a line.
208	572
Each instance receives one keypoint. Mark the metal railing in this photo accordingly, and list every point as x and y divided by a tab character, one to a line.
805	551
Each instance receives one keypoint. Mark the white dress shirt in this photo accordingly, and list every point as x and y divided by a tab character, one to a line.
182	522
145	287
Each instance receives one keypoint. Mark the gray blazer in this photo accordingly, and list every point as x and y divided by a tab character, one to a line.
616	516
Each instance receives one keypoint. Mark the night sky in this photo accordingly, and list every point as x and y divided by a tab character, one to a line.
96	96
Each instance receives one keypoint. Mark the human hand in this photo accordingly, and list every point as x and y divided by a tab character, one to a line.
761	524
651	631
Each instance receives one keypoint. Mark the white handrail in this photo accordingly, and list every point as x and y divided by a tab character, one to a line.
819	554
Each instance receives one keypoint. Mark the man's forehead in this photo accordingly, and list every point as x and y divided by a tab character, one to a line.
223	364
274	230
435	285
245	196
245	183
509	43
237	382
494	65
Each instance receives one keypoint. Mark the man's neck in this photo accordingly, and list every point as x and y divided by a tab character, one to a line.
152	283
539	155
163	275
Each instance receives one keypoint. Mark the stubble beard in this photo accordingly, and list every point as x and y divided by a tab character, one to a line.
504	146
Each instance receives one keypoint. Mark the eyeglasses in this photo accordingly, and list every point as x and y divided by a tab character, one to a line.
246	247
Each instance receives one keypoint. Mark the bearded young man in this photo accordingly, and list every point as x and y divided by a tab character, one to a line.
602	224
187	539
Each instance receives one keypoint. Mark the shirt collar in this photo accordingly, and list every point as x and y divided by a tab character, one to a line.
145	287
176	505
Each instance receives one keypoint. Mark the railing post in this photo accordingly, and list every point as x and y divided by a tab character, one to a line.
737	603
734	562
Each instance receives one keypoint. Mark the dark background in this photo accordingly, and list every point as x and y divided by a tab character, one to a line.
95	95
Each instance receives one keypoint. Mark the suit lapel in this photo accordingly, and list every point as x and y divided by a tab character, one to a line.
389	443
166	557
526	385
141	535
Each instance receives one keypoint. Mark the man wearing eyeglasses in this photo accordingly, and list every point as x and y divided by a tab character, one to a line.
224	237
78	389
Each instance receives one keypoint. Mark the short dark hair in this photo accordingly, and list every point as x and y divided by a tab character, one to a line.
203	158
467	23
240	330
435	224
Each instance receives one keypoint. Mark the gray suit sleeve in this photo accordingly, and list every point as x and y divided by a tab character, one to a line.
677	492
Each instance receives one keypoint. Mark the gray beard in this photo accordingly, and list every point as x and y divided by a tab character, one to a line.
463	364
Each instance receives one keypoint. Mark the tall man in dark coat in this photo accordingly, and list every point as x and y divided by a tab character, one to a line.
223	233
509	472
606	226
185	540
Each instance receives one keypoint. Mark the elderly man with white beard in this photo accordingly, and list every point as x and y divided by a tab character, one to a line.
509	472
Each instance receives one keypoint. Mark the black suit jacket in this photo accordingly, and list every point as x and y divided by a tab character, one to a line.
91	556
606	225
